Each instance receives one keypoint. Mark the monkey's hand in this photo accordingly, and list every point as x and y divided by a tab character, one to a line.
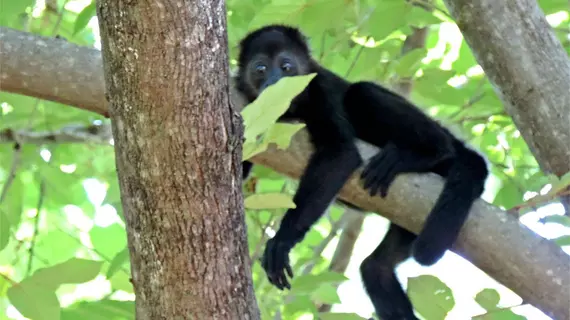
275	261
381	170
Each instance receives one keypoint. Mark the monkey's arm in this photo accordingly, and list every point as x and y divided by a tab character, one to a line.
416	143
327	171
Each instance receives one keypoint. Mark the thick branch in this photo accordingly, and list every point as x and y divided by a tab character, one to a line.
528	67
74	74
497	243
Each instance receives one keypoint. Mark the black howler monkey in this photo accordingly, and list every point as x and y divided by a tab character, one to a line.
338	113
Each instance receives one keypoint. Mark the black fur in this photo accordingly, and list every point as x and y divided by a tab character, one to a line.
336	114
415	143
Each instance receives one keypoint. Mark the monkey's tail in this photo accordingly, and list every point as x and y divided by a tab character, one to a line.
464	184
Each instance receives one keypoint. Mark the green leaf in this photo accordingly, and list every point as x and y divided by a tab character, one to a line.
509	195
502	314
315	18
299	303
308	283
113	194
12	11
34	301
420	17
562	241
559	219
251	148
4	230
269	201
277	12
13	205
84	16
282	133
488	299
553	6
433	85
4	286
561	184
73	271
62	188
430	296
410	63
326	293
100	310
122	281
339	316
259	115
66	247
118	261
465	60
109	240
389	16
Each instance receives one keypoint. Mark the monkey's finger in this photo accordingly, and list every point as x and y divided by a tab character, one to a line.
372	180
382	173
384	188
272	281
279	263
287	284
389	179
278	281
269	263
289	270
374	163
283	280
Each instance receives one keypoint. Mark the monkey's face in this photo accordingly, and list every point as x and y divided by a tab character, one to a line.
267	56
265	70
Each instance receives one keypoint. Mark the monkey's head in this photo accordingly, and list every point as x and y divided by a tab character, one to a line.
269	54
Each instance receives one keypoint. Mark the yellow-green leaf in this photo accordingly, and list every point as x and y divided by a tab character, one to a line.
269	201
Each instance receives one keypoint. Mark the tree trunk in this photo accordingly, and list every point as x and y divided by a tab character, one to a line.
529	68
178	154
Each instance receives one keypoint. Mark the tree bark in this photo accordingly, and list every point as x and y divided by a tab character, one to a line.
529	69
535	268
178	154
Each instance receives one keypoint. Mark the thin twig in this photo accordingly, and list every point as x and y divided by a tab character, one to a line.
12	173
7	278
353	63
36	227
317	251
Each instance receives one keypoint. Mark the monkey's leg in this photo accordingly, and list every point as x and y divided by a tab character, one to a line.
379	277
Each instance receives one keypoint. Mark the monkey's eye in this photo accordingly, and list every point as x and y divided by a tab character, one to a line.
286	66
260	68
